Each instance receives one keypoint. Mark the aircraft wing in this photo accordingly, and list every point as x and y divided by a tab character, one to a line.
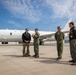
50	35
46	36
65	31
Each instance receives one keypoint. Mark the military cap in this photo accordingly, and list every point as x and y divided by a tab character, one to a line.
36	29
58	27
26	29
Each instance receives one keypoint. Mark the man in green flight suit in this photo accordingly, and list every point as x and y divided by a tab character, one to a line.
59	36
36	43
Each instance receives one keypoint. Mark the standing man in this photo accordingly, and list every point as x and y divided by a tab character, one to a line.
72	39
36	43
26	37
59	36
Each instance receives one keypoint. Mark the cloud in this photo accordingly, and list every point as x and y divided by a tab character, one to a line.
16	24
37	10
23	9
63	8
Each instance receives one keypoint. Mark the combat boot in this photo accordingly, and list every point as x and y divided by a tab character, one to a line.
37	56
59	58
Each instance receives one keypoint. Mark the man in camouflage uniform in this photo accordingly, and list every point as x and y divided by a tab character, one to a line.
26	37
72	39
59	36
36	43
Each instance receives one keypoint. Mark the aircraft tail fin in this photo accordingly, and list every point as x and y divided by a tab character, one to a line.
66	28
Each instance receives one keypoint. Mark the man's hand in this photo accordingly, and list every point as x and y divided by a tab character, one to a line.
27	41
33	35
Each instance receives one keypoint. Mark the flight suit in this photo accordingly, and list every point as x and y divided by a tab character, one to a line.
59	36
36	44
72	39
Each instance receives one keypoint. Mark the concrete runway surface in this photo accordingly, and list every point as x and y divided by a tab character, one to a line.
12	62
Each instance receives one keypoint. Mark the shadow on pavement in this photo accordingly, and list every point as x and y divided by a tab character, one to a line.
52	61
45	60
17	56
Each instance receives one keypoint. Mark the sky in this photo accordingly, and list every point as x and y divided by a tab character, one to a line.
45	15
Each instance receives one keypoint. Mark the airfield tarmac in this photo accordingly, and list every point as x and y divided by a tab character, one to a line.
12	62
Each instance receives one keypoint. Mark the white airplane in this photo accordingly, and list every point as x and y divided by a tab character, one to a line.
16	35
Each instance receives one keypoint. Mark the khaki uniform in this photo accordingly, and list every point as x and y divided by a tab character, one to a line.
36	44
26	37
59	36
24	47
73	49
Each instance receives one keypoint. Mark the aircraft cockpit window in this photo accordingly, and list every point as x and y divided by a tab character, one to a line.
10	33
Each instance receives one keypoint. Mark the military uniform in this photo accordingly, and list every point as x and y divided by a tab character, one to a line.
59	36
72	39
26	37
36	44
